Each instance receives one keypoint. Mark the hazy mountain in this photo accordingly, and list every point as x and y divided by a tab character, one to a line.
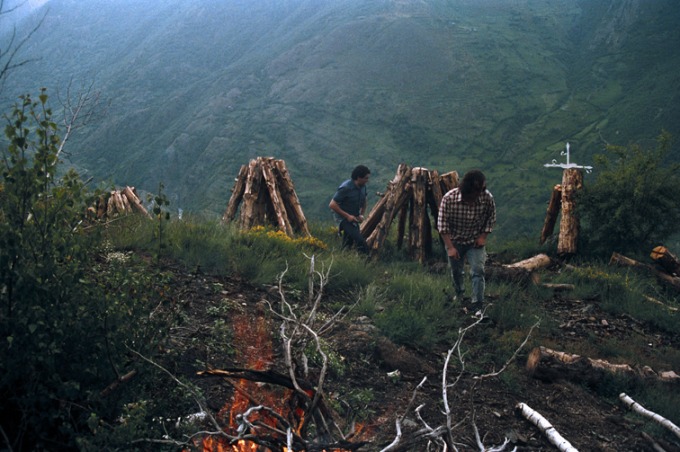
198	88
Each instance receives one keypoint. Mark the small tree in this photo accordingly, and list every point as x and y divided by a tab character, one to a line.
65	313
632	205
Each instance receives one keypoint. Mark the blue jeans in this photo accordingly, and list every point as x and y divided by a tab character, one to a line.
476	257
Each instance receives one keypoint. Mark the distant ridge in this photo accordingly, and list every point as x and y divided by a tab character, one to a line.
199	88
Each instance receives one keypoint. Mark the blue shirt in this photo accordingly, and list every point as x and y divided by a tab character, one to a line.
350	198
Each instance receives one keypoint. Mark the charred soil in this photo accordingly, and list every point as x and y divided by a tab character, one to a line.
368	390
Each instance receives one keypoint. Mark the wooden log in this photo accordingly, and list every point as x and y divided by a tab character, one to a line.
401	224
276	204
449	181
236	195
397	194
619	259
503	273
545	427
435	194
572	182
533	263
553	211
552	365
135	202
666	260
419	180
252	210
291	201
636	407
374	217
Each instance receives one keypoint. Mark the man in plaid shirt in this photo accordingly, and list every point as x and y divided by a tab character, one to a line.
467	216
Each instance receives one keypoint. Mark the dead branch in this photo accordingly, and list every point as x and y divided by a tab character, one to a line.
639	409
621	260
546	428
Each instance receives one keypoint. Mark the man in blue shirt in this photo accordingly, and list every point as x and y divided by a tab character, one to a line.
348	206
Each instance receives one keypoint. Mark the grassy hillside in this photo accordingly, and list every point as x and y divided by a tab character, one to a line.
199	88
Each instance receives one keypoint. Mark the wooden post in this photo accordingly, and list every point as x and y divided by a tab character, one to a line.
572	182
552	213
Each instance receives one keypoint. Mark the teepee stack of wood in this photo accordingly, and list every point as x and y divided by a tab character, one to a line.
563	200
408	197
266	196
118	202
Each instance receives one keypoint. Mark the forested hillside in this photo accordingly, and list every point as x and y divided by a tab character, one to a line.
198	88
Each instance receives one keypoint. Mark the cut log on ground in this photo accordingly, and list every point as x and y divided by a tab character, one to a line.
521	272
666	260
550	365
619	259
265	195
572	182
553	211
413	197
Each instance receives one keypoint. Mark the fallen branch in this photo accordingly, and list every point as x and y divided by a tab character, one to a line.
619	259
545	427
636	407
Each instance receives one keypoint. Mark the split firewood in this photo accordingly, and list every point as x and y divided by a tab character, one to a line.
266	196
552	365
662	256
553	211
636	407
545	427
619	259
236	195
134	201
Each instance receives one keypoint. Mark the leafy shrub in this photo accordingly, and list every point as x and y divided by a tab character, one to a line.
633	203
64	310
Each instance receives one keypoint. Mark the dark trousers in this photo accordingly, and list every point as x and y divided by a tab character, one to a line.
351	236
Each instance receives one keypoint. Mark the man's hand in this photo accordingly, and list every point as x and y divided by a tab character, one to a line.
481	241
453	253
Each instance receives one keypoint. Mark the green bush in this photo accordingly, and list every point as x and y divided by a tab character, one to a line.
632	206
65	308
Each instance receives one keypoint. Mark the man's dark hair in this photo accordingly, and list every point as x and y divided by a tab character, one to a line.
360	171
473	183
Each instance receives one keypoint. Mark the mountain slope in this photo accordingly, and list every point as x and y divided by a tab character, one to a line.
199	88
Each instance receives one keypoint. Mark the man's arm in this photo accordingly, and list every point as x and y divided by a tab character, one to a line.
335	207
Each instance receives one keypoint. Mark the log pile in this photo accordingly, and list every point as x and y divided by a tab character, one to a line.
118	202
409	196
563	199
266	196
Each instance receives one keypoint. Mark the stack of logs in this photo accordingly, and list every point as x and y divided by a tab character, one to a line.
265	189
408	197
118	202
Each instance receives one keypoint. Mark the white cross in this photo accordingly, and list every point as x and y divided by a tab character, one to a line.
567	165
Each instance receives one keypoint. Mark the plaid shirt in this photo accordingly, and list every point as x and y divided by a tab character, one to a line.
465	222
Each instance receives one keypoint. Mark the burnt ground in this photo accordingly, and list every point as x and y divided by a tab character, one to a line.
588	421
